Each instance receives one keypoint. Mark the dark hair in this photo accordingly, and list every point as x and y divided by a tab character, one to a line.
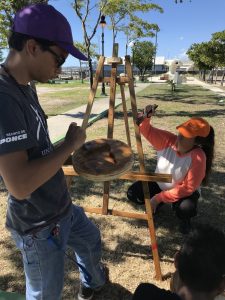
201	259
17	41
207	145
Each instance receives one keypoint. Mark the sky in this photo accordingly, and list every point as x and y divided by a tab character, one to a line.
181	25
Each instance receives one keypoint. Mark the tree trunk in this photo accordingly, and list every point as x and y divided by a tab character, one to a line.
90	71
81	73
216	76
222	80
203	75
210	76
114	35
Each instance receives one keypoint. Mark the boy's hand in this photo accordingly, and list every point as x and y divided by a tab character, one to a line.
75	136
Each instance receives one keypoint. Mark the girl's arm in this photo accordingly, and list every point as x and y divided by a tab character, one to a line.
158	138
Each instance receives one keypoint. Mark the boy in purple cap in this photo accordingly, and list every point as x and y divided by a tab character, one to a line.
40	215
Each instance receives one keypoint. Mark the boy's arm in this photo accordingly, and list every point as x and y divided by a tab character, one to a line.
22	176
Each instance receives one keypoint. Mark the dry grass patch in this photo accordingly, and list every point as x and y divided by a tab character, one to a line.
126	249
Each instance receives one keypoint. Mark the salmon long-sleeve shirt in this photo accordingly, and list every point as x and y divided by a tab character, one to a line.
187	170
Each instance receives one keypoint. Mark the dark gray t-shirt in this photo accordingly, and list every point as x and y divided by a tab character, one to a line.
23	127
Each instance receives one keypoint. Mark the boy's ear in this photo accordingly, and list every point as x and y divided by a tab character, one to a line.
32	47
176	259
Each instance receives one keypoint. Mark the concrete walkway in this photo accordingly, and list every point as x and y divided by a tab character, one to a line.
212	87
59	124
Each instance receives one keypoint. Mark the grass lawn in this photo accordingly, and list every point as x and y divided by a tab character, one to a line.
126	249
59	98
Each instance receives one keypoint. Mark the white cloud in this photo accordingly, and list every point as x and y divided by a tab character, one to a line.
181	38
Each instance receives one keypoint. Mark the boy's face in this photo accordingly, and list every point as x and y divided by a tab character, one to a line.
46	64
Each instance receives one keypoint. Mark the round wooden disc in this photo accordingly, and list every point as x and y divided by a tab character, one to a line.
103	159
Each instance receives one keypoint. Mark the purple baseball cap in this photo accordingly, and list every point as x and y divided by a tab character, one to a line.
45	22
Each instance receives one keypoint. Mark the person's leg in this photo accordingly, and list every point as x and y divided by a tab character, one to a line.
135	191
85	240
185	209
43	261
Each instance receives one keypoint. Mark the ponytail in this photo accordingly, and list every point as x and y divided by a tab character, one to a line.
207	145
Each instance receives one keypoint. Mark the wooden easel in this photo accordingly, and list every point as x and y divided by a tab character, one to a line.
141	175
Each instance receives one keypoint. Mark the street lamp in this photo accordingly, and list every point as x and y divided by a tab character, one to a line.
132	44
102	24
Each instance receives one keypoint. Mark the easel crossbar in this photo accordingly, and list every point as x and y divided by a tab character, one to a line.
69	171
117	213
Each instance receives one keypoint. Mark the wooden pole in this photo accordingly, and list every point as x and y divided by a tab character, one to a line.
142	169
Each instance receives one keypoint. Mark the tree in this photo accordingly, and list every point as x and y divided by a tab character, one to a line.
118	11
143	54
123	17
198	53
84	9
82	48
209	55
218	38
8	8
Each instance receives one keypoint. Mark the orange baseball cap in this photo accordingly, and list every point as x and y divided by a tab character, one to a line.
194	127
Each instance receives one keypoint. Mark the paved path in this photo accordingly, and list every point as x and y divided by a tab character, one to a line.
59	124
212	87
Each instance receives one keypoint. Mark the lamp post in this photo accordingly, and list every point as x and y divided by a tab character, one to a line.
102	24
132	44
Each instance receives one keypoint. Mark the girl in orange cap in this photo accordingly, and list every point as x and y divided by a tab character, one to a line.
187	157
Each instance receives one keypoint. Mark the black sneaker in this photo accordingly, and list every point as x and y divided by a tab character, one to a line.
85	293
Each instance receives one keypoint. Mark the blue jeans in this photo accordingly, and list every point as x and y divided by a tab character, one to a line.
44	253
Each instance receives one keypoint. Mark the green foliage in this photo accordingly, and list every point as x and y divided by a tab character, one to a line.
219	37
124	16
208	55
7	12
84	10
143	53
218	40
83	49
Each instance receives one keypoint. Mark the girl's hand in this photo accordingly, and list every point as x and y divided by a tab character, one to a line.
146	113
150	110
